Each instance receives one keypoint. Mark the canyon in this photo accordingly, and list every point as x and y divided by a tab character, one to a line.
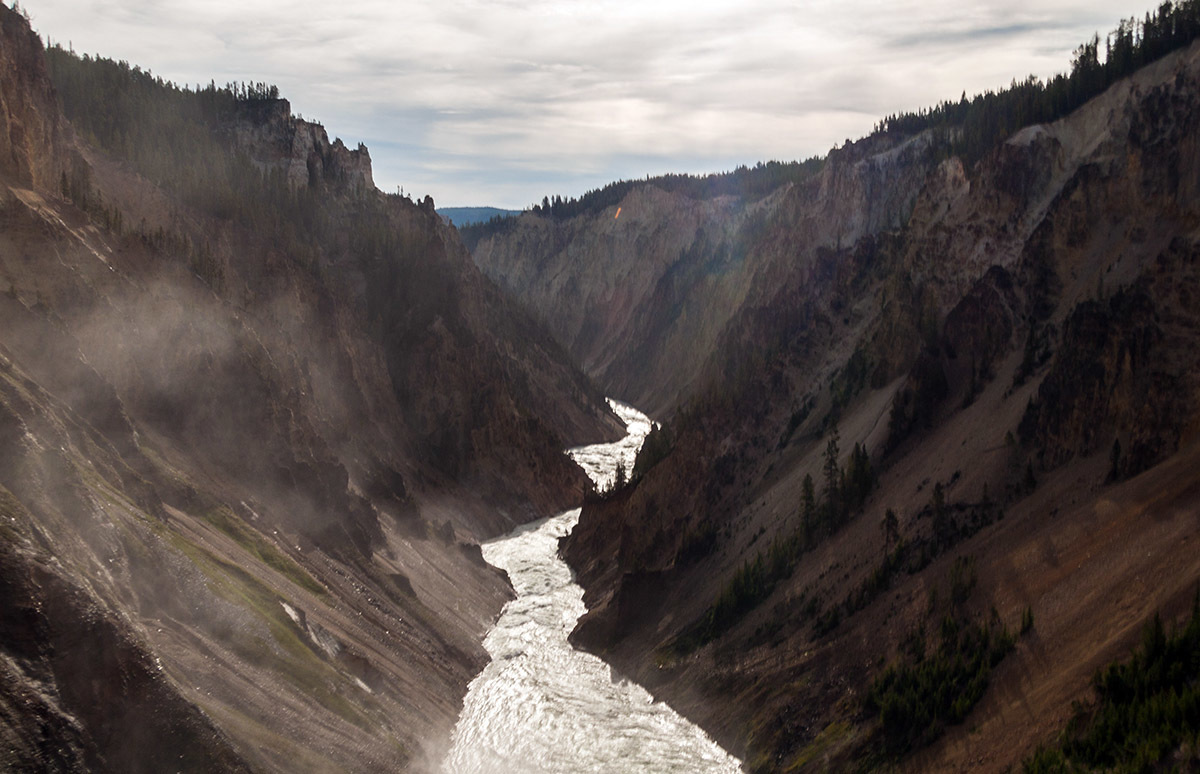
1005	342
927	401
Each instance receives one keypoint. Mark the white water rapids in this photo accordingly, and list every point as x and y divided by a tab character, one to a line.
541	706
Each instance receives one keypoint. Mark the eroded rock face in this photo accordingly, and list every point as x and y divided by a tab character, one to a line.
1122	379
301	149
649	286
79	689
1029	320
34	142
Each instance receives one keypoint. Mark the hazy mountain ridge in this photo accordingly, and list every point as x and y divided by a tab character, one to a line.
247	451
642	297
466	216
1014	335
636	299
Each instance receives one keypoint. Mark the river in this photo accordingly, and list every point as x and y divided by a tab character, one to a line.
541	706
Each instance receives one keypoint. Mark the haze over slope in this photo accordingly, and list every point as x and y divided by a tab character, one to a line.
255	415
466	216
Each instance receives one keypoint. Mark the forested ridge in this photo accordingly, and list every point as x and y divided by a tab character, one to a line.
970	128
234	157
967	128
170	134
178	137
747	182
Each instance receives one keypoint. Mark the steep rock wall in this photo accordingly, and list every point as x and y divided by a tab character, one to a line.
300	149
1024	321
35	145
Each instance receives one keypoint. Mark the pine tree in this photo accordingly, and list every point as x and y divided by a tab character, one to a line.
808	505
833	476
891	530
942	526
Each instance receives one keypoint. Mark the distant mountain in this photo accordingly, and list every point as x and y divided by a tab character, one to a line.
465	216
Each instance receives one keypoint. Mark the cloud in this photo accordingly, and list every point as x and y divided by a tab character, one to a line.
501	102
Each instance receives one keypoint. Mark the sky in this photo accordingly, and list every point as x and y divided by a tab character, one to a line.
502	102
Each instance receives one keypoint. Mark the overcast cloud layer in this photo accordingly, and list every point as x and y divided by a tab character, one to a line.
501	102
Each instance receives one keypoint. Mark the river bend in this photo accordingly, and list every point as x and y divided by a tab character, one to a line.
541	706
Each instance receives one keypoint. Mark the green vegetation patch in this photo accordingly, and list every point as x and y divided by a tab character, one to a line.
832	736
920	694
297	664
1146	712
258	546
846	491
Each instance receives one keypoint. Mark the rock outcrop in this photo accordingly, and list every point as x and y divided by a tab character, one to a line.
35	148
275	139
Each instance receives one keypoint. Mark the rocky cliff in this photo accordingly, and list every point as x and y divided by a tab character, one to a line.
1004	344
27	132
251	427
276	139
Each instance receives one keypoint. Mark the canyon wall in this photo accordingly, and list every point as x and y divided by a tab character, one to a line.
251	435
1006	341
